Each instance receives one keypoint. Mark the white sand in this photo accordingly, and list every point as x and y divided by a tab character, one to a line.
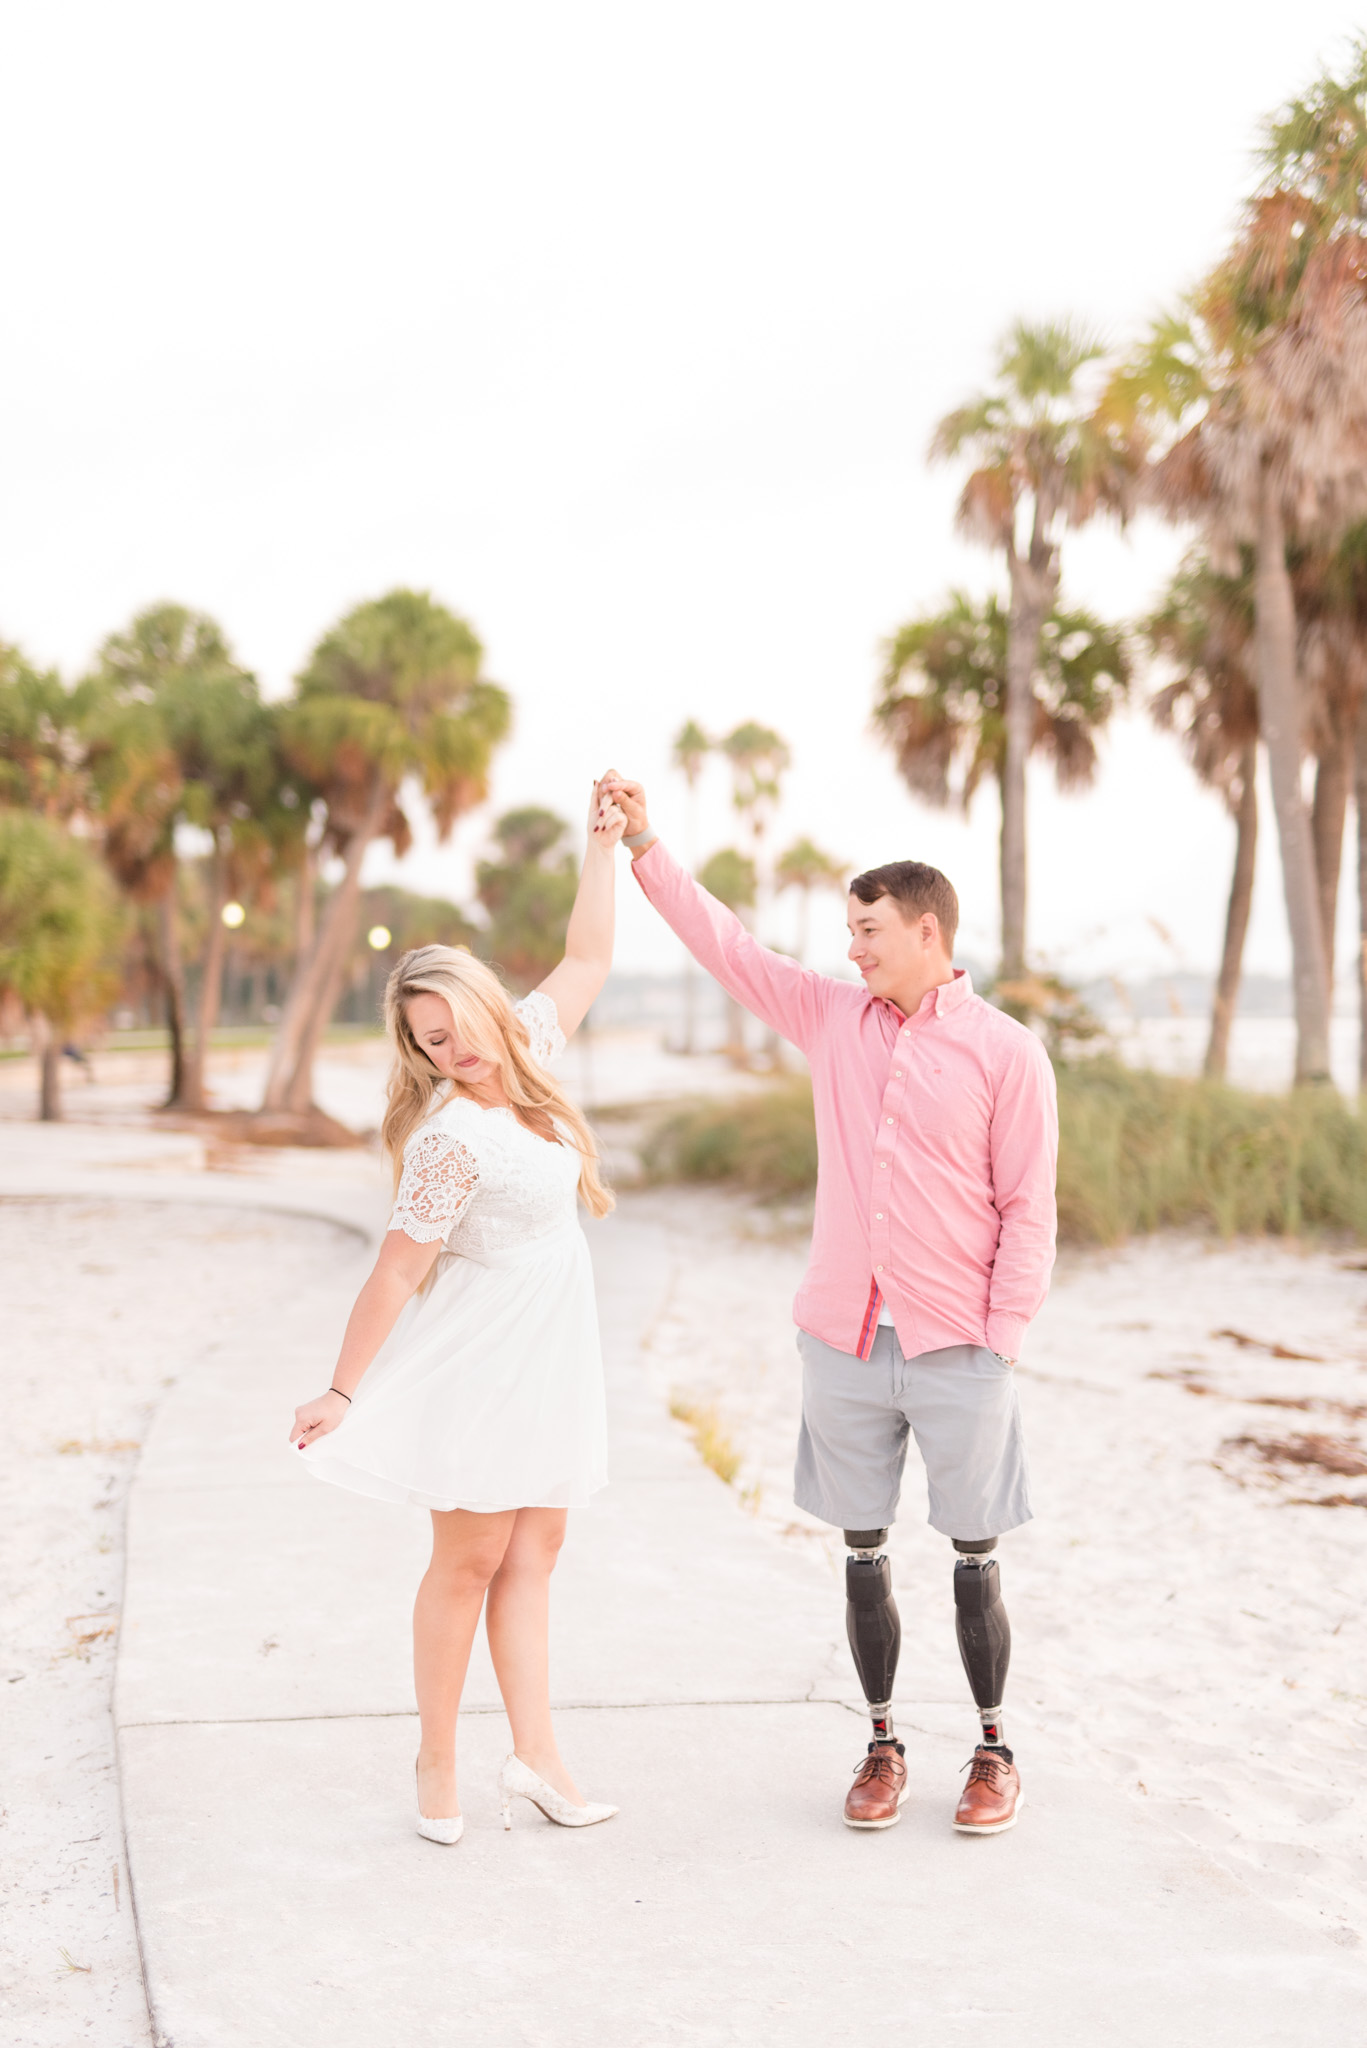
104	1304
1176	1619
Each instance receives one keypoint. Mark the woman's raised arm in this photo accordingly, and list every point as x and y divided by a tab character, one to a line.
573	985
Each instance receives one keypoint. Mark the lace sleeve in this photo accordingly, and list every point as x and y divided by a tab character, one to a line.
538	1013
440	1176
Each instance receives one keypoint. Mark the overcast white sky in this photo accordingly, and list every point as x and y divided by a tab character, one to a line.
622	328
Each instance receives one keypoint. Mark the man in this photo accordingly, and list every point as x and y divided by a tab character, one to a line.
932	1244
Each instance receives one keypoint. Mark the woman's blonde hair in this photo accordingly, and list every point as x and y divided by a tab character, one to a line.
484	1019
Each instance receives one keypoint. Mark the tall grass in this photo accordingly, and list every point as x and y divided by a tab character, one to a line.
1140	1151
1137	1152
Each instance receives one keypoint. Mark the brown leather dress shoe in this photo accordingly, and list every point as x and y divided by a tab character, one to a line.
880	1786
992	1798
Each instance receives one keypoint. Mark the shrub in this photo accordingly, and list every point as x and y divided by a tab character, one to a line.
1137	1152
764	1143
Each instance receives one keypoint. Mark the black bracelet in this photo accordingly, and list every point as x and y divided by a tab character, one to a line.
345	1397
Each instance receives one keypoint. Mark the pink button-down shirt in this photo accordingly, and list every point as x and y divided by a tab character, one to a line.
937	1140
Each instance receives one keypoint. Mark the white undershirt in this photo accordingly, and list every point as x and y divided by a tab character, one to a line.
885	1315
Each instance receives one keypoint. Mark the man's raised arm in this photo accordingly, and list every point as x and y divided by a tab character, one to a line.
791	998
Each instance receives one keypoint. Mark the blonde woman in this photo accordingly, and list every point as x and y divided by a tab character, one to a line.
470	1380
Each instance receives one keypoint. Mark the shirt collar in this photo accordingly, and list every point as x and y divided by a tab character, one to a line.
949	996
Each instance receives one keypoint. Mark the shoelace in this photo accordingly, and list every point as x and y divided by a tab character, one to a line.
983	1769
879	1766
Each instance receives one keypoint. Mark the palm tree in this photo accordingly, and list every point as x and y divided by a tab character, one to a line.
149	711
732	878
394	691
690	750
1204	628
758	759
1360	805
1041	461
235	787
1330	588
42	754
944	698
805	867
528	894
59	931
1258	399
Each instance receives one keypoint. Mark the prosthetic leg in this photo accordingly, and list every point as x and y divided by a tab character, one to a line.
984	1632
876	1797
872	1623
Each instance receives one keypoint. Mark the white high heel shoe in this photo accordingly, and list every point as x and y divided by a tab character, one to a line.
447	1831
515	1780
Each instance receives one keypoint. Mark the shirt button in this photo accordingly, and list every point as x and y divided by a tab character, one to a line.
877	1215
897	1075
892	1119
882	1162
878	1269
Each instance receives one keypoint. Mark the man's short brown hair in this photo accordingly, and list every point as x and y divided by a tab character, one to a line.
915	888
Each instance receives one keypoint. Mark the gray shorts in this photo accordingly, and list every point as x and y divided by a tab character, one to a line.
856	1415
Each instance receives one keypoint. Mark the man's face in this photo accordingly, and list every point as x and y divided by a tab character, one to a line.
889	951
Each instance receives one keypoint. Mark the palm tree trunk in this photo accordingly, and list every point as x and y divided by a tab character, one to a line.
1033	581
48	1047
1328	816
1236	919
327	968
1360	803
173	980
317	979
211	989
735	1034
304	908
1279	711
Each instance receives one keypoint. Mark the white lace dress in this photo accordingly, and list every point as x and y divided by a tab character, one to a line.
488	1393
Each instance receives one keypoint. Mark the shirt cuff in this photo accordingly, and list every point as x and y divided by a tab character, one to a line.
1006	1334
648	859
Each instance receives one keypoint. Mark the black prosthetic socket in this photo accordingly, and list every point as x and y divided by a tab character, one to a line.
872	1624
984	1636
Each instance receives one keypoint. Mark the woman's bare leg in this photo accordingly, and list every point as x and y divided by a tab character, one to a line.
467	1550
518	1622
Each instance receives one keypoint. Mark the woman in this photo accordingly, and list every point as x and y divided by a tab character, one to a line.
470	1380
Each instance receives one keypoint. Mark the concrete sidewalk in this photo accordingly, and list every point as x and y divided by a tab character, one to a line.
266	1735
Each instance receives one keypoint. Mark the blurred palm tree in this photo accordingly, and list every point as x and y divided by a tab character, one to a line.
731	877
805	867
60	928
690	750
1254	399
1330	588
758	759
42	752
164	702
395	691
1042	459
1204	630
944	700
528	894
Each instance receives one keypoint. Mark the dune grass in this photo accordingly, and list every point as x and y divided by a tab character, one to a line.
1137	1152
710	1440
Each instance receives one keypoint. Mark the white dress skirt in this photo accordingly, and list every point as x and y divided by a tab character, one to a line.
488	1392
